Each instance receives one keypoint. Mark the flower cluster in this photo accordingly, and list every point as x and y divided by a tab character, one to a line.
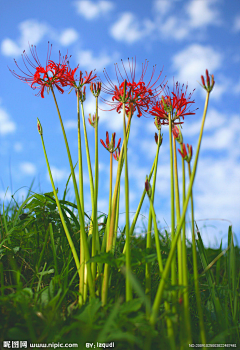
176	103
186	155
136	96
58	75
110	146
209	85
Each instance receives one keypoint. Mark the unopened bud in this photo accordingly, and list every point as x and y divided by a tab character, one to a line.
39	126
148	187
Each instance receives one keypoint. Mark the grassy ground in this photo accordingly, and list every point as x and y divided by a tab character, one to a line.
39	286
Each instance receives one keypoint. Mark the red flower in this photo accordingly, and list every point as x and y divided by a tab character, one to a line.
186	156
175	102
209	86
177	134
43	78
110	146
77	81
135	95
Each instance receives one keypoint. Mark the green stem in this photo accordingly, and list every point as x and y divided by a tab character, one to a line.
109	244
173	263
128	256
184	266
80	212
161	286
160	264
95	242
179	249
81	282
88	156
74	253
149	230
195	271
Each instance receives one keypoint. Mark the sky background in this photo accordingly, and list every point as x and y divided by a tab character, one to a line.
181	37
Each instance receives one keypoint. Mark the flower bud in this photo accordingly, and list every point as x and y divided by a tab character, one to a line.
39	126
177	134
148	187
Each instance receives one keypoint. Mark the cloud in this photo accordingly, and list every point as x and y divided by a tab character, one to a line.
191	63
162	6
70	124
31	32
129	29
91	10
201	13
58	174
7	126
236	24
28	168
68	37
89	60
193	16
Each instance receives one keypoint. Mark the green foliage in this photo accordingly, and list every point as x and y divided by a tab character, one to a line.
39	285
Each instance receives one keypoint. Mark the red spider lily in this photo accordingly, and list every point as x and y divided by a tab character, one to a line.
175	102
92	120
135	95
177	134
186	156
148	187
110	146
76	80
209	86
96	88
43	78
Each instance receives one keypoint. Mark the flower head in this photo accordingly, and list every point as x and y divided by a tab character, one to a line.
137	96
92	120
186	156
177	134
76	80
209	85
42	78
176	103
148	187
110	146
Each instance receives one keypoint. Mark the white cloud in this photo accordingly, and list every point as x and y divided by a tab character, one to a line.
194	15
89	60
7	126
236	25
91	10
129	29
31	32
68	37
192	62
58	174
28	168
70	124
162	6
201	13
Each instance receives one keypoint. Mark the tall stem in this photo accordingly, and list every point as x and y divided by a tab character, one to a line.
128	257
173	263
80	212
158	298
149	230
195	271
81	284
177	201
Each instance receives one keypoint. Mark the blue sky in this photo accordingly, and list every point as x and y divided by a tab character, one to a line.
182	37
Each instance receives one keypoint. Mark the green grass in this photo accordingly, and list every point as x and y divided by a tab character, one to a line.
39	285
